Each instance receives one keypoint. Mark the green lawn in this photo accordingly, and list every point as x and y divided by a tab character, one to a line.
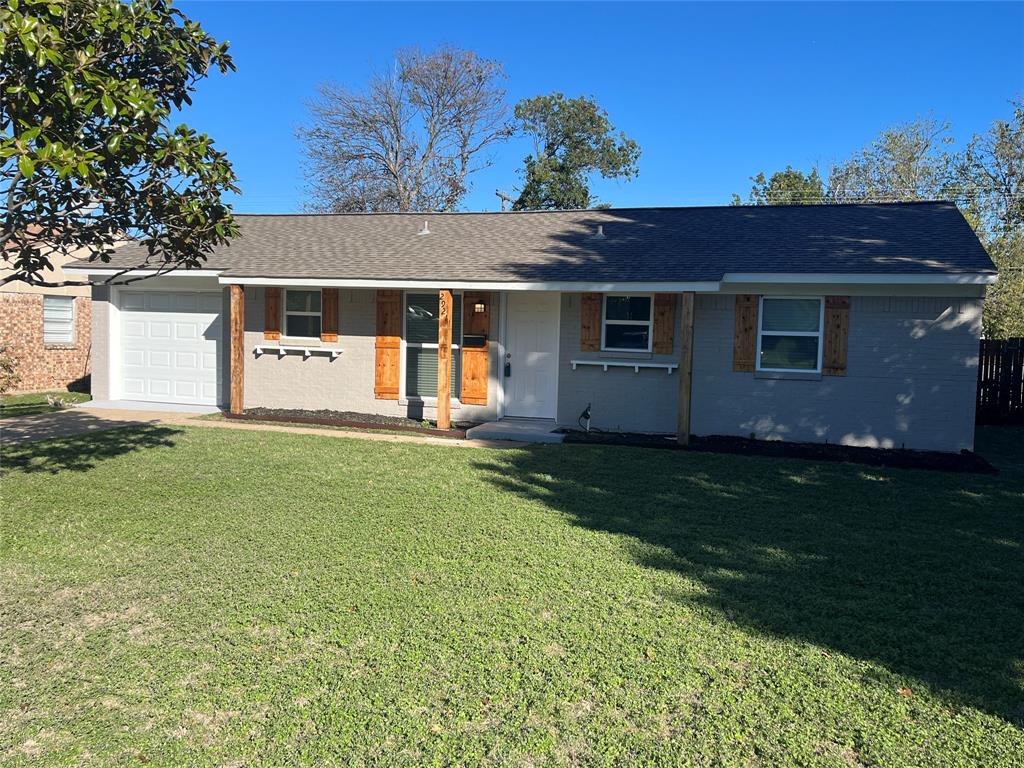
207	596
35	402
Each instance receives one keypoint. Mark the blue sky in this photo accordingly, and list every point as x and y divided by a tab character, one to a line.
713	93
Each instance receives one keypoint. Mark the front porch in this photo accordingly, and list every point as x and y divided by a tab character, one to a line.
518	363
517	429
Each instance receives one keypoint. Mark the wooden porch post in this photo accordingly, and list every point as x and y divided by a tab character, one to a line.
444	360
685	369
237	349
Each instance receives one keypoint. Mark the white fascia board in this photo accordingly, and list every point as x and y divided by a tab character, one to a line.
834	278
462	285
112	273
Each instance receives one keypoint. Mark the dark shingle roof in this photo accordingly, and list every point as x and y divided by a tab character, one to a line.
640	244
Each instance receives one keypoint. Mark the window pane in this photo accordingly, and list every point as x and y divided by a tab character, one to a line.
58	319
628	308
790	314
796	352
302	325
302	301
421	318
626	336
421	372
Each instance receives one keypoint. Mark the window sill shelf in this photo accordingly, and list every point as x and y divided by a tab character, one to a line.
282	350
636	366
789	375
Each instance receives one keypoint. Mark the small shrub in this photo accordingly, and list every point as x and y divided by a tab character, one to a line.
9	377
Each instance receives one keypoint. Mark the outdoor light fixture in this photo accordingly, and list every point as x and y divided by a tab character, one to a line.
479	308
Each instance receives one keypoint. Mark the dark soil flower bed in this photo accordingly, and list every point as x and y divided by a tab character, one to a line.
965	461
345	419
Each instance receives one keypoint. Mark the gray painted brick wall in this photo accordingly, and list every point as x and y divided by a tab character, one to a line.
620	399
346	383
911	379
910	382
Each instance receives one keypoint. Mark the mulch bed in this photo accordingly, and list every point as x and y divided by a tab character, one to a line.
344	419
965	461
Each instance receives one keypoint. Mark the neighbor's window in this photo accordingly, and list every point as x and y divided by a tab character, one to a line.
58	319
789	336
627	323
421	344
302	314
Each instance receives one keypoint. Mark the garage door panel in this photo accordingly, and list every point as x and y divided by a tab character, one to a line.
158	387
183	302
158	302
160	358
186	360
170	346
132	302
133	358
135	329
187	331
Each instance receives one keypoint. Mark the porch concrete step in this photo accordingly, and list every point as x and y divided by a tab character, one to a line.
520	430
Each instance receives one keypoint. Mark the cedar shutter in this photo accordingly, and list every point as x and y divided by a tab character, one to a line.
836	331
272	314
664	323
329	314
744	343
590	322
475	360
389	345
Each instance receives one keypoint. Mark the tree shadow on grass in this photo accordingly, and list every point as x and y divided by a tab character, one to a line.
84	452
922	572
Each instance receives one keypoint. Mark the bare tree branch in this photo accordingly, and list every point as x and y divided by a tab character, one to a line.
410	140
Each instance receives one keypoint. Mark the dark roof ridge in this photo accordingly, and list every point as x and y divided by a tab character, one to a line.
328	214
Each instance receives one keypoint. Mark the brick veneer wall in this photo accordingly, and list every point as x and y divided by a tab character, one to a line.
44	366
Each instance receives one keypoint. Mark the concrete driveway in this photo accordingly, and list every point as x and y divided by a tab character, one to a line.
67	423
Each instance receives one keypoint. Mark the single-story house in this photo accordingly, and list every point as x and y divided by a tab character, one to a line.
852	324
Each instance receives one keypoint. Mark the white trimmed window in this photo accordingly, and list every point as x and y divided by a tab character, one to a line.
626	323
58	319
789	334
302	314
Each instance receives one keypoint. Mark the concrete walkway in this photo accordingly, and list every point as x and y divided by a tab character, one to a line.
80	421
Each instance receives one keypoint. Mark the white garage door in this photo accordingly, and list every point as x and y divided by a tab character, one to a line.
169	346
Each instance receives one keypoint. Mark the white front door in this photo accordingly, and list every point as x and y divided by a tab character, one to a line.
169	346
531	386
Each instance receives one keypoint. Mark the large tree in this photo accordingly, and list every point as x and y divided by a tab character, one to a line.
410	139
788	187
909	161
572	140
88	152
988	184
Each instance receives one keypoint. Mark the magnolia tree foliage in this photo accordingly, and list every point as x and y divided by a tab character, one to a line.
88	149
572	139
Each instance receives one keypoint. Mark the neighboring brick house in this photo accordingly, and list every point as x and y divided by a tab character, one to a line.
48	331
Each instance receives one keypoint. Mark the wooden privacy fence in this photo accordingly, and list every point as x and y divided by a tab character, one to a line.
1001	382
